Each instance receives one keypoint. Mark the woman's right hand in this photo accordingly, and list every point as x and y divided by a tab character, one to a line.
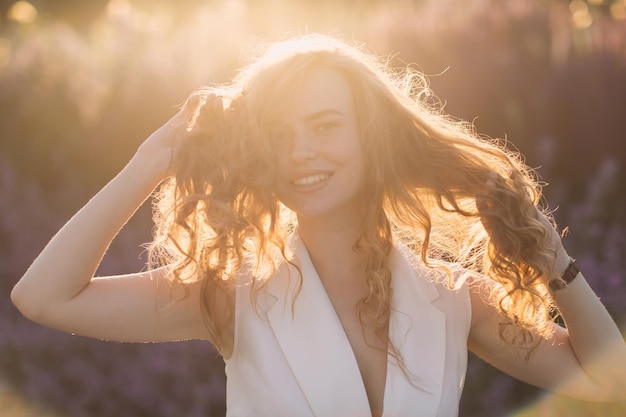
59	289
158	153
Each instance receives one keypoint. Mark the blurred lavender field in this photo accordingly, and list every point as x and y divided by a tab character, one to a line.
83	83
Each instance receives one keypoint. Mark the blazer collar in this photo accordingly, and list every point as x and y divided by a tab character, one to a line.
417	328
319	354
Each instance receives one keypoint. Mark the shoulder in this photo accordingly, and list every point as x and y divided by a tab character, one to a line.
445	285
445	276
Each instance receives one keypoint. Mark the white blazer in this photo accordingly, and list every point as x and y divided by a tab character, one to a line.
295	359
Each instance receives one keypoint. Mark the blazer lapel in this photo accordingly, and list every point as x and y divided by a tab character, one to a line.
319	354
313	341
417	330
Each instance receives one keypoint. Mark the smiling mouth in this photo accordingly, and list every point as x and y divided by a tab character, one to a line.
311	180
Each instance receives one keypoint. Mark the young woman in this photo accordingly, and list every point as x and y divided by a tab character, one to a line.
341	243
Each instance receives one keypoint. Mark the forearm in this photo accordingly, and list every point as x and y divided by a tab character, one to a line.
594	337
69	261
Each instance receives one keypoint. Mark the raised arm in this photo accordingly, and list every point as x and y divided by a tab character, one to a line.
59	289
586	359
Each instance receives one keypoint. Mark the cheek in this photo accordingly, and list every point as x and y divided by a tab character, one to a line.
362	174
280	161
280	177
362	168
357	154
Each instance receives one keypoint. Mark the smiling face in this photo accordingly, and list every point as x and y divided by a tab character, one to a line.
319	156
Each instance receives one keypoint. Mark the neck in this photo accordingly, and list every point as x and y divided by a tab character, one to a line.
330	246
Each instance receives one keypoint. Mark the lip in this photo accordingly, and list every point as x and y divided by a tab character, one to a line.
311	181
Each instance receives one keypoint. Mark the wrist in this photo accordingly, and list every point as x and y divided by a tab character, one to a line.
143	173
147	168
567	276
561	261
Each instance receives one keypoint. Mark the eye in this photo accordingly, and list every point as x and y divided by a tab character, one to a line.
326	126
281	135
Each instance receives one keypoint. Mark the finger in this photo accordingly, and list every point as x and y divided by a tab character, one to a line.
218	105
211	110
211	105
185	112
486	200
191	102
490	203
483	203
191	109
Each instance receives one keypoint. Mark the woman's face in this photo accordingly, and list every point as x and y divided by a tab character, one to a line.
320	161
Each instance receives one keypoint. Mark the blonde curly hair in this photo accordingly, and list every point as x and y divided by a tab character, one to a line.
427	177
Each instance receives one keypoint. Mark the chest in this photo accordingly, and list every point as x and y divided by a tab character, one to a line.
367	336
311	357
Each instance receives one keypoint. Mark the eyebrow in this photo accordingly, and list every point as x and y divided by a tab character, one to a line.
326	112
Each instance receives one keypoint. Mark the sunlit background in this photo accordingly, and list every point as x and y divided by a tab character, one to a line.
82	83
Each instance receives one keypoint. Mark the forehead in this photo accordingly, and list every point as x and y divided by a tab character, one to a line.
319	89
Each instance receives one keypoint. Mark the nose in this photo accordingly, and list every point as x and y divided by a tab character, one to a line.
302	147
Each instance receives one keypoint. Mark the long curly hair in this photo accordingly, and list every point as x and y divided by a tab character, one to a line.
427	178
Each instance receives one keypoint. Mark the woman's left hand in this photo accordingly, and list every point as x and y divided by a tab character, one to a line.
494	202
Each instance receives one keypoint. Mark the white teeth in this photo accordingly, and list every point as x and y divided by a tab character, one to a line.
313	179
